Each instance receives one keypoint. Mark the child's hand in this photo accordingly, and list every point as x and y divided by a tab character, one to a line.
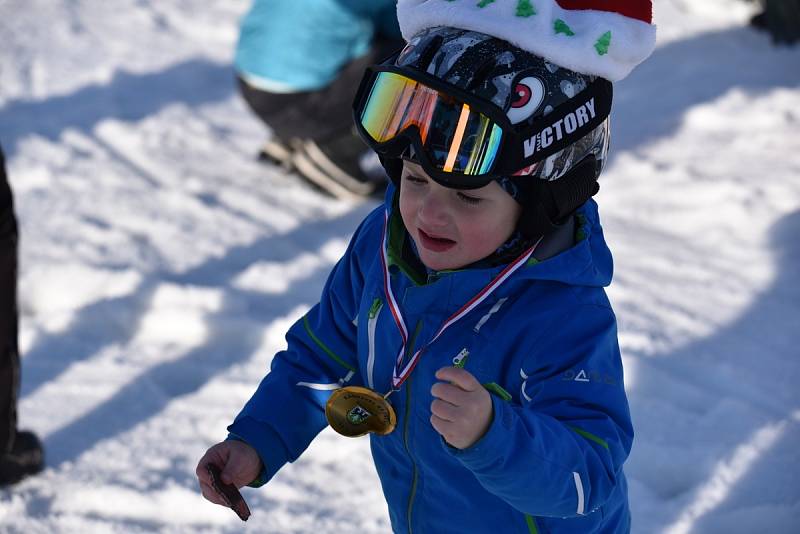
462	408
239	464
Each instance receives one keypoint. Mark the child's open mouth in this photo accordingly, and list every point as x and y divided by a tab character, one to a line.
435	244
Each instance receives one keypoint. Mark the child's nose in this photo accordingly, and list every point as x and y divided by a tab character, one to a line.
433	210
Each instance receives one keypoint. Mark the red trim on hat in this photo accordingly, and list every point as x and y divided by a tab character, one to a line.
636	9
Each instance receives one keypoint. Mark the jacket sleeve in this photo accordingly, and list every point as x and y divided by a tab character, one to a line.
560	452
288	409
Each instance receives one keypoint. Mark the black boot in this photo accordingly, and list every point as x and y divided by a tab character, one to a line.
25	458
335	165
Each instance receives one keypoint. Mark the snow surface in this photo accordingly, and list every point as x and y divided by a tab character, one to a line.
161	265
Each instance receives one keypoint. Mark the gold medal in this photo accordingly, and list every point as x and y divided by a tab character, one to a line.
354	411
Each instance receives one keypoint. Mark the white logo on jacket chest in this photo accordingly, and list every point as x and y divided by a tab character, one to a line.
582	375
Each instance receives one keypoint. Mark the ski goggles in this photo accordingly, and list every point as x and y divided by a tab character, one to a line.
460	140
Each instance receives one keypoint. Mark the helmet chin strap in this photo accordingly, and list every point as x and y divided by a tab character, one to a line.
551	202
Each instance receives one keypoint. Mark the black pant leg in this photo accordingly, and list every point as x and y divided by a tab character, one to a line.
9	351
320	114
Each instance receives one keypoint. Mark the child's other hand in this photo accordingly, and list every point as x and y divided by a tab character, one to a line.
239	464
461	410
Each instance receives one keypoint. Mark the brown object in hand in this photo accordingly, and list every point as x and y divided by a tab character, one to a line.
229	493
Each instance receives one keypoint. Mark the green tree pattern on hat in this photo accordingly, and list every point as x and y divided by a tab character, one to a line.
526	9
606	38
603	43
562	27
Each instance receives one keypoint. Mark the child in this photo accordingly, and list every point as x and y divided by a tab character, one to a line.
466	328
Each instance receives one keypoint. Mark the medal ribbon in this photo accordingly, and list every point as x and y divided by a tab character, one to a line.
474	302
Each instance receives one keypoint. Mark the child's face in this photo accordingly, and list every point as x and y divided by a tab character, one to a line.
453	228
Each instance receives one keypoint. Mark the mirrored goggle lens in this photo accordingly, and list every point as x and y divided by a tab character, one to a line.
454	137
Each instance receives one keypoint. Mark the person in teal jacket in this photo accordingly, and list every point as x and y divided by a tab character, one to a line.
466	329
298	64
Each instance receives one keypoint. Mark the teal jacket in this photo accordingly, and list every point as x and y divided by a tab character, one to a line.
300	45
544	343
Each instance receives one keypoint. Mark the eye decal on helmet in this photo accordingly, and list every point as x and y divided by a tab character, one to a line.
528	96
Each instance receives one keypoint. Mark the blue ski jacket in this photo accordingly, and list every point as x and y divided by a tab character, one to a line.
544	344
300	45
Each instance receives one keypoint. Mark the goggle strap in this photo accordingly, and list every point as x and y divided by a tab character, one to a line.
548	135
565	125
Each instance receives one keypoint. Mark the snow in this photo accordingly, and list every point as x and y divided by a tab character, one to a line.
161	265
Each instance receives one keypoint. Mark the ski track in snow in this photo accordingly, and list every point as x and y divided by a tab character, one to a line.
160	267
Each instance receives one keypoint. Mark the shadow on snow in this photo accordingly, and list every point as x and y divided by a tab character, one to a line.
127	97
149	393
729	385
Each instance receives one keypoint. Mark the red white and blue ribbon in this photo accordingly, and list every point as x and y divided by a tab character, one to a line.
400	374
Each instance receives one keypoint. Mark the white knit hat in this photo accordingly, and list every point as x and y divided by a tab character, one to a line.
606	38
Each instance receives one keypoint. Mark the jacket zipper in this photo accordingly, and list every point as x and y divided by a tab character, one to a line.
531	522
412	494
374	312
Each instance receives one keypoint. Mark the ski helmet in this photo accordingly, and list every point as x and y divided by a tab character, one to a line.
539	129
